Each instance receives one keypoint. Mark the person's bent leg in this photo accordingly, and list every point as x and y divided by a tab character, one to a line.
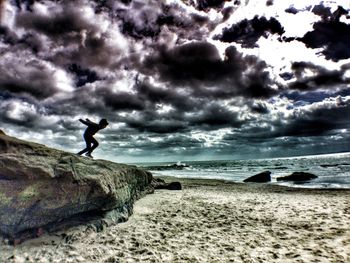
88	145
84	151
94	145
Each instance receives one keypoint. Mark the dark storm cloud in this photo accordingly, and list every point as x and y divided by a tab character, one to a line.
227	12
322	11
26	41
269	2
179	140
299	68
120	100
58	23
143	97
27	4
71	125
259	107
198	61
248	32
326	79
330	34
23	78
157	126
96	52
210	116
169	142
214	116
83	76
322	77
7	36
26	116
248	135
69	35
148	20
166	95
140	19
151	121
157	144
286	75
31	41
28	119
205	5
307	127
199	66
321	121
291	10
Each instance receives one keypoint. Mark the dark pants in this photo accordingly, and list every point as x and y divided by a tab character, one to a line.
89	139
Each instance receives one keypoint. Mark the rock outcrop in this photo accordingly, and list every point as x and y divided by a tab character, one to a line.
263	177
297	177
159	183
43	189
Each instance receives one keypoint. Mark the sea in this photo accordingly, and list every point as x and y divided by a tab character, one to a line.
333	170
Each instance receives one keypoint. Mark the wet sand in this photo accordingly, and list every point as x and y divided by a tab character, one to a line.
209	221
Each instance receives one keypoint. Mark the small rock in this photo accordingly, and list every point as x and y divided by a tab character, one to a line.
174	186
259	178
169	186
297	177
159	183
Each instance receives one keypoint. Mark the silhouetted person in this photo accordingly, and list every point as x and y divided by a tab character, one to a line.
91	143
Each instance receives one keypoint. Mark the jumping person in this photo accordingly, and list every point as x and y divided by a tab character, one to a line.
89	133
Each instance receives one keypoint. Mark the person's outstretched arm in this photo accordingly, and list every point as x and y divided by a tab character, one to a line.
84	122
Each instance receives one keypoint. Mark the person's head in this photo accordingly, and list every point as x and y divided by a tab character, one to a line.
103	123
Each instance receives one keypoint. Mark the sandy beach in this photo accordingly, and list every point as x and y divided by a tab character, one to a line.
209	221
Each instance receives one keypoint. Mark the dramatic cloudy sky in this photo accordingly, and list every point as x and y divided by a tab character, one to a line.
178	79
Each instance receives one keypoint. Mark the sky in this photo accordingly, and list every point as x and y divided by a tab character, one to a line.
178	79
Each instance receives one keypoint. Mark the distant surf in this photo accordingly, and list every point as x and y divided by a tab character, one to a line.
333	170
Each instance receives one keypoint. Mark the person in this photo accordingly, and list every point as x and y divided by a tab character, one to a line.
91	130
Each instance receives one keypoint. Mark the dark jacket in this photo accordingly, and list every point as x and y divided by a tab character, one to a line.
92	127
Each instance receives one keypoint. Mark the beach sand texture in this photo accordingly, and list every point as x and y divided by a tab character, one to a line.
209	221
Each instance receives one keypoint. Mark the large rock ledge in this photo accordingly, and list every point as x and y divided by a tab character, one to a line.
43	189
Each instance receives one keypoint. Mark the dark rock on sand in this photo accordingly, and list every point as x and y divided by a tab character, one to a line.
259	178
297	177
173	186
43	189
159	183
